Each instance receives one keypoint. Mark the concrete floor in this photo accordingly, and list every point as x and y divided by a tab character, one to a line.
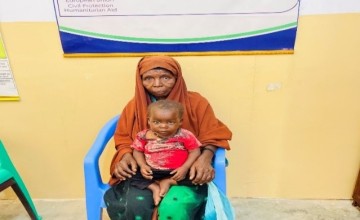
246	209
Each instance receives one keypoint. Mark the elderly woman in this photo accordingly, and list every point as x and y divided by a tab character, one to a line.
160	77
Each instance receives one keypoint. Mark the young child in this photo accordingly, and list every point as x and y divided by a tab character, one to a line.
165	151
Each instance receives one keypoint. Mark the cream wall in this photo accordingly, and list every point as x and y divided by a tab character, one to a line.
295	118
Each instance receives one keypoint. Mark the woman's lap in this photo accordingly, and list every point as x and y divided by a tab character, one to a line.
124	201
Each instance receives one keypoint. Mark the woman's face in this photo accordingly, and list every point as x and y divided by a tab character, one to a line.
158	82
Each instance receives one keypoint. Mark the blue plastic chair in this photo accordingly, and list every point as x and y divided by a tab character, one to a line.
95	187
9	176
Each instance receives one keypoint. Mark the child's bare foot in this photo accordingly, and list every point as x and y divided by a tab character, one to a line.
165	185
155	188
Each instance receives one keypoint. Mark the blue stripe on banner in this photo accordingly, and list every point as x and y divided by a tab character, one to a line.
282	40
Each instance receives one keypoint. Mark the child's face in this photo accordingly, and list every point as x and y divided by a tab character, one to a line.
164	122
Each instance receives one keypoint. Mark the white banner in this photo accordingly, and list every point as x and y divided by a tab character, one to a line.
142	26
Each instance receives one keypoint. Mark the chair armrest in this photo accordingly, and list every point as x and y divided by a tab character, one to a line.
220	163
91	161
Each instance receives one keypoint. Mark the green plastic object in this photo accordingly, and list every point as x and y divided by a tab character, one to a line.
10	177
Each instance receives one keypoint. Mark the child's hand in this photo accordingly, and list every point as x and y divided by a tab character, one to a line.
180	173
146	172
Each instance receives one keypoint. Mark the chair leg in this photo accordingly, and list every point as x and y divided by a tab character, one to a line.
26	203
11	182
95	214
93	209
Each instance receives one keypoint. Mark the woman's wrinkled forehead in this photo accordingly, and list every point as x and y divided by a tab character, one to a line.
153	62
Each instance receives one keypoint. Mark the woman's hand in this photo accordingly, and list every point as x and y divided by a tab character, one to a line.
126	167
201	171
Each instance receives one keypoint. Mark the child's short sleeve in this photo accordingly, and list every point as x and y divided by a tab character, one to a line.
139	142
189	140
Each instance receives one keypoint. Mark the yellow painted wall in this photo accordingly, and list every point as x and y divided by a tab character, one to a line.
295	118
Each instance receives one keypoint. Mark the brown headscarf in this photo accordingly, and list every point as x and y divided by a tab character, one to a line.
198	117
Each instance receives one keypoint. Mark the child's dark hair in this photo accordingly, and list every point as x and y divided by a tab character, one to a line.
168	105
